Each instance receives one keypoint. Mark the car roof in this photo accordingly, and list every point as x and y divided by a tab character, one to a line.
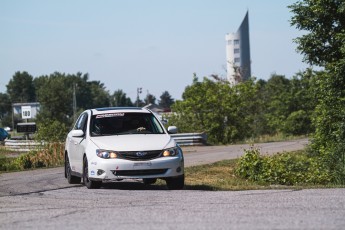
119	110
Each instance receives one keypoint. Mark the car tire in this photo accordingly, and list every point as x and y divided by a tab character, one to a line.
87	182
148	181
175	183
68	173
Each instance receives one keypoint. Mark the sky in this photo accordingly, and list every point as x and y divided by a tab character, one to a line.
153	44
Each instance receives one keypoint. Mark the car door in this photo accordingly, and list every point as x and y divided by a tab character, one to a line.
76	144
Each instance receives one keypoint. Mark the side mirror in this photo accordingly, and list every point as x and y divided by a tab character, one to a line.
172	129
77	133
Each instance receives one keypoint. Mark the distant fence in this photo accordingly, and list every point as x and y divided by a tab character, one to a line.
190	139
183	139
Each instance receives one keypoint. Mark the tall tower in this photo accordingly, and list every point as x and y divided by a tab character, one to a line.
238	54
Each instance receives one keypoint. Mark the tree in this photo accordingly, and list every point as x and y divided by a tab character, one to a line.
325	22
5	105
139	103
166	100
89	94
324	46
284	103
260	126
55	96
150	99
302	104
21	88
297	123
120	99
225	113
100	96
80	84
277	99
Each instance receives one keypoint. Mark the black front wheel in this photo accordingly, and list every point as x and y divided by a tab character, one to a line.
87	182
68	173
175	183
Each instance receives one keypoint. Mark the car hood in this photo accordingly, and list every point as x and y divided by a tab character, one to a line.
137	142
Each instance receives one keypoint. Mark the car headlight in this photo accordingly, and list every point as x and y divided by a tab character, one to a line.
171	152
106	154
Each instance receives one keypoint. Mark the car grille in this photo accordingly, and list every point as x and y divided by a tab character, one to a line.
140	155
144	172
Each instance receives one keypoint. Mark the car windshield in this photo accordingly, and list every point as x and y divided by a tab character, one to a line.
124	123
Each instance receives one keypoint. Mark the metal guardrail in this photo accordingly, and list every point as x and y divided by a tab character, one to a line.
22	145
183	139
190	139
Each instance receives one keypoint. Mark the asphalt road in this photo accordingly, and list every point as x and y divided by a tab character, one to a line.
42	199
210	154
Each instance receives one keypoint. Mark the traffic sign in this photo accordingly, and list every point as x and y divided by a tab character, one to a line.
26	112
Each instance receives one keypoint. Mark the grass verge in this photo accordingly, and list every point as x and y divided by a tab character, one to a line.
217	176
271	138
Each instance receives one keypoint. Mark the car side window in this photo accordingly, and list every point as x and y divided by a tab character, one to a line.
84	122
81	122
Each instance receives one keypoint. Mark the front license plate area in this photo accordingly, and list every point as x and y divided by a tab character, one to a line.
142	165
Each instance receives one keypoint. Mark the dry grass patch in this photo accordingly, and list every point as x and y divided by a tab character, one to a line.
217	176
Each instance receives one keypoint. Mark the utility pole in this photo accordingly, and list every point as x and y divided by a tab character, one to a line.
139	91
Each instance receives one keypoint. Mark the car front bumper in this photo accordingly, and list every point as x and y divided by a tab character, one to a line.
108	170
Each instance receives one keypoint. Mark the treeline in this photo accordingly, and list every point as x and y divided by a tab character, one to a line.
322	44
56	93
228	114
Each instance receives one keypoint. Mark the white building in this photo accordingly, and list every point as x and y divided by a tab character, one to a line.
238	54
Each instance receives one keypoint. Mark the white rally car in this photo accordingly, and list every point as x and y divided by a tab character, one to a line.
111	144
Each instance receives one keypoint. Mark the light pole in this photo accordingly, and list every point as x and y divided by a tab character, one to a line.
139	90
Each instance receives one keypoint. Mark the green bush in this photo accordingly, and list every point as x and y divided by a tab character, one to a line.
51	131
24	161
284	168
250	165
6	164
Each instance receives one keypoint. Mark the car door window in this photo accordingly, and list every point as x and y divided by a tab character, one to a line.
81	122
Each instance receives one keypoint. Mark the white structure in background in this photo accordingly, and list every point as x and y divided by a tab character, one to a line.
238	54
